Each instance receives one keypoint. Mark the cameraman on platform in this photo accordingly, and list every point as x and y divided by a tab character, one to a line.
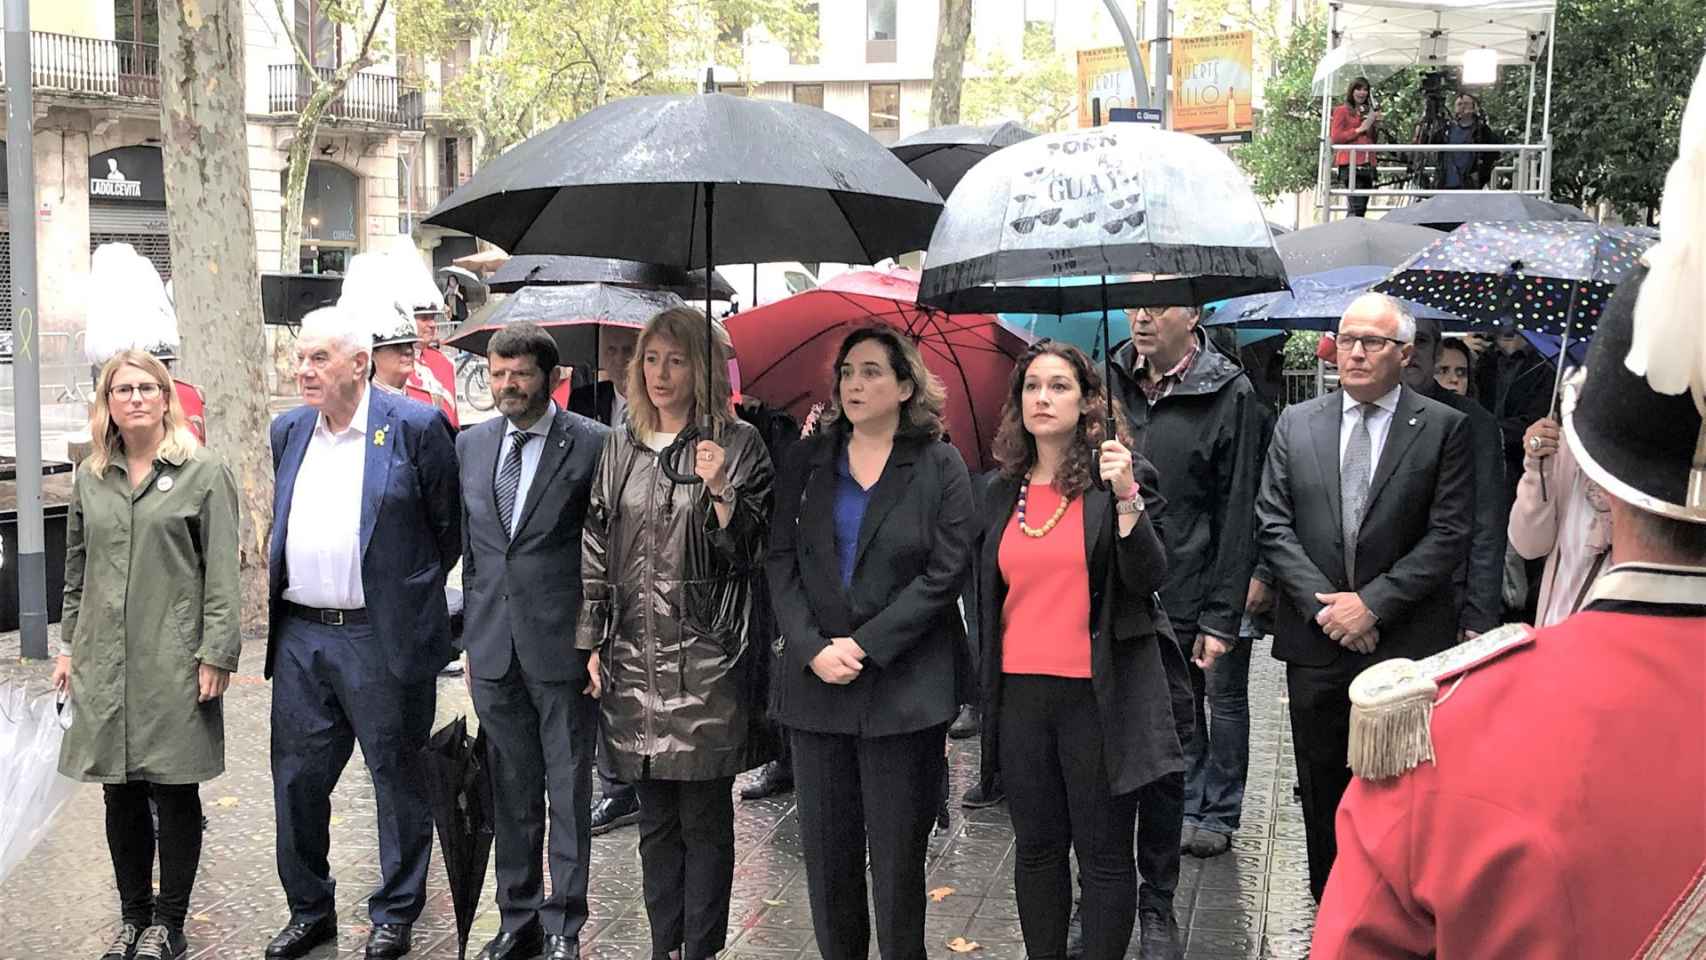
1467	170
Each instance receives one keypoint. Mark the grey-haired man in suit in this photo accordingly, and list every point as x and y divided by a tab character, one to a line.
526	480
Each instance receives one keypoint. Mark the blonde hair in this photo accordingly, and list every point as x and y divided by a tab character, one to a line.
685	327
107	444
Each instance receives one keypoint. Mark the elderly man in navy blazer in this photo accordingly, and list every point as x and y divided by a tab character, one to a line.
366	523
526	482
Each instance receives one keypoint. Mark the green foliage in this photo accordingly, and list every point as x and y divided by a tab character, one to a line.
1299	349
1039	92
1281	157
539	62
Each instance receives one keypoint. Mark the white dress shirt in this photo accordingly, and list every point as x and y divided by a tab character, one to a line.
322	548
529	456
1379	425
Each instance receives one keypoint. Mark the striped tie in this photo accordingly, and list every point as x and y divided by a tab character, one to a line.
509	481
1353	486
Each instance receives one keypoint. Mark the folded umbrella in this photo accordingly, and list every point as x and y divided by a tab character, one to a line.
31	789
459	789
787	351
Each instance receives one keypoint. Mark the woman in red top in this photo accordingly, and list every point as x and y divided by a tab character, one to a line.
1077	675
1354	121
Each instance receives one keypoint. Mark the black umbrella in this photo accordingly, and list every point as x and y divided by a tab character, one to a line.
660	179
571	314
942	155
1448	211
460	791
1162	218
1352	242
535	270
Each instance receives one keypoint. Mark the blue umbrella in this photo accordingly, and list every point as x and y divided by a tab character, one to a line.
1082	330
1316	302
1548	343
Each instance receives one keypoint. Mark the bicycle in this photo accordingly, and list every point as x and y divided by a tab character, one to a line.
471	374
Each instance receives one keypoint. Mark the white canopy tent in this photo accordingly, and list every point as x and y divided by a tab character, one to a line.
1431	34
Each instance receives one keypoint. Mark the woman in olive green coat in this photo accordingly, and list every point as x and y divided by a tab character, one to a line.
149	639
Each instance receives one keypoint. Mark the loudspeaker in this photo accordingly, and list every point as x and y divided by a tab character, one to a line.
288	297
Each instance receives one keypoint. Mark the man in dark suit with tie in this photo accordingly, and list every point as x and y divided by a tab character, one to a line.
526	480
1364	516
366	523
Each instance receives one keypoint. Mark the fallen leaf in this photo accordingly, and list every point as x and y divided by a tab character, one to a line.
962	945
941	893
337	821
226	802
775	903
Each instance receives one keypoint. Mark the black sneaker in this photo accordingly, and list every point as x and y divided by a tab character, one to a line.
1159	931
609	813
160	942
124	944
966	724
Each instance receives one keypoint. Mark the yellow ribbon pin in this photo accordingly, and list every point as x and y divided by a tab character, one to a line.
379	437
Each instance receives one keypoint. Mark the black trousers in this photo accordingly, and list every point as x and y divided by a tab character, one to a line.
1321	736
1060	801
131	840
879	794
687	863
539	739
1365	181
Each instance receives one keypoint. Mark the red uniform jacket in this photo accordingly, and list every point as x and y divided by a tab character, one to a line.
1566	809
195	408
440	382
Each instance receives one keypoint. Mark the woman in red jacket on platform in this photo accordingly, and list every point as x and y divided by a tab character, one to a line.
1079	666
1355	121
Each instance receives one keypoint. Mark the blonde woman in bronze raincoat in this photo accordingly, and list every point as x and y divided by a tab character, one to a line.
668	570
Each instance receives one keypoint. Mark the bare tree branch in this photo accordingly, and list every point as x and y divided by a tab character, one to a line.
284	21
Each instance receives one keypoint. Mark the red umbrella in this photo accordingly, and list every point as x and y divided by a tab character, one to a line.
785	350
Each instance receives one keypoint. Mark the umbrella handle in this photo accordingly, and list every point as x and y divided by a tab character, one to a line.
668	455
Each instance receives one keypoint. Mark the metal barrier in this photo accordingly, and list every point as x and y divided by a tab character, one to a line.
1531	172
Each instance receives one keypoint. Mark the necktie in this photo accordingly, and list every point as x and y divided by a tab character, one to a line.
509	481
1353	486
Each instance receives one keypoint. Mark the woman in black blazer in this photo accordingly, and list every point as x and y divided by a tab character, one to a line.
1078	668
869	546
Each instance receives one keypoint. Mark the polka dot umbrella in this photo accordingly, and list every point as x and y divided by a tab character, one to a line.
1540	276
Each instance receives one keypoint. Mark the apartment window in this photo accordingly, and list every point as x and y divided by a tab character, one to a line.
448	167
455	65
884	119
810	11
136	21
318	34
880	18
810	94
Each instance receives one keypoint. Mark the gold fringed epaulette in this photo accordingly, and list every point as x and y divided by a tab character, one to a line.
1392	703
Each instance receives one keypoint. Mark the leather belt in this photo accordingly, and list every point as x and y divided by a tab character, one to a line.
330	618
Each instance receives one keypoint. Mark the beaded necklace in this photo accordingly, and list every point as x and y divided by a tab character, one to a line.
1026	529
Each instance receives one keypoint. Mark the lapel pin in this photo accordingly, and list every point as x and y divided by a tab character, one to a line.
165	484
379	437
562	443
1412	421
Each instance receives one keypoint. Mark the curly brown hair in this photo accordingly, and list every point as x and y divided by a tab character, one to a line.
1015	448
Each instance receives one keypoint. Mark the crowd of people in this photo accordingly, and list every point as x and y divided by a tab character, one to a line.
663	585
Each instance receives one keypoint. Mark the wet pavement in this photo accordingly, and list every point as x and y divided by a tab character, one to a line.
1251	902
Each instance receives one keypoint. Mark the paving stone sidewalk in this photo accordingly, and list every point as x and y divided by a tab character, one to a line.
59	903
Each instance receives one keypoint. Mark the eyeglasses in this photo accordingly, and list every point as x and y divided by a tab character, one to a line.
122	393
1370	344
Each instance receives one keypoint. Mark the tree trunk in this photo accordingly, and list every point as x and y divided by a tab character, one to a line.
216	286
951	37
326	92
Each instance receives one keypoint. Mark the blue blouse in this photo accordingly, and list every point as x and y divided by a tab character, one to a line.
850	502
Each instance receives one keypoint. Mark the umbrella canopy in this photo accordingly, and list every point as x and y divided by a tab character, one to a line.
1089	330
1539	275
786	350
538	270
483	262
1352	242
459	790
1316	302
942	155
571	314
634	179
1167	213
474	290
1451	210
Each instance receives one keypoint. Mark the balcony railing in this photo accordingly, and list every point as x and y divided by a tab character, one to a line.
426	198
86	65
369	98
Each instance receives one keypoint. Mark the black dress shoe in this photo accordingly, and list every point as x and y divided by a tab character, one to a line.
966	724
523	944
1075	933
389	940
1158	932
560	947
610	813
297	939
773	778
976	797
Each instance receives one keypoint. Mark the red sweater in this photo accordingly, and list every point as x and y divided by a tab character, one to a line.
1344	130
1045	619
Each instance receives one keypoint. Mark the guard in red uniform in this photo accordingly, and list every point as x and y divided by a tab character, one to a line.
381	288
131	309
1542	793
194	405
